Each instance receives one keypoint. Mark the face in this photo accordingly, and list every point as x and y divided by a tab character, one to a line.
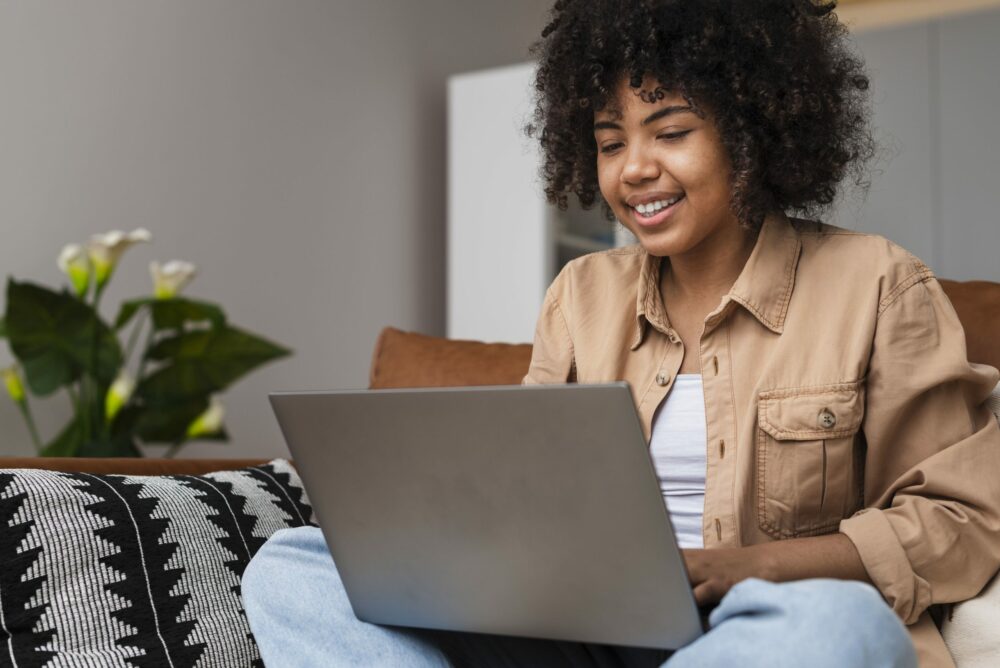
664	171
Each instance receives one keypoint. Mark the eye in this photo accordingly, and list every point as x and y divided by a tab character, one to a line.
610	148
674	136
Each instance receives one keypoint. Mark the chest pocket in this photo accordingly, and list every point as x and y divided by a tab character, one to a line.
809	458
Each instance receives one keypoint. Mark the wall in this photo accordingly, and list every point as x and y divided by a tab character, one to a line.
935	93
294	150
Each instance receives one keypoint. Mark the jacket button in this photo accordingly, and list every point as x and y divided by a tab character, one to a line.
827	419
662	379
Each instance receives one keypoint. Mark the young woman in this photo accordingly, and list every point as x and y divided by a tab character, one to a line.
814	422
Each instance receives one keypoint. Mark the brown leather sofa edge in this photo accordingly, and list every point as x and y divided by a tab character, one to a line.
128	465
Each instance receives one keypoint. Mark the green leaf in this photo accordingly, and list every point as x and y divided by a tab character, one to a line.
121	445
165	423
57	337
129	309
201	363
73	442
172	313
3	329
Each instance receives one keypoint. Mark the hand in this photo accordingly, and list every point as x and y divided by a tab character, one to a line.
714	572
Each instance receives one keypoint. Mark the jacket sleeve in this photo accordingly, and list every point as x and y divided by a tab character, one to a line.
930	529
552	351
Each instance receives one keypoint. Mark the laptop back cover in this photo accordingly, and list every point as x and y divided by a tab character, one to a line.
529	511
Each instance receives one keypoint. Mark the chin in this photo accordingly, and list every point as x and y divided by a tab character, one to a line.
662	243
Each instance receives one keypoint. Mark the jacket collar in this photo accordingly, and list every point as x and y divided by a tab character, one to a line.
763	288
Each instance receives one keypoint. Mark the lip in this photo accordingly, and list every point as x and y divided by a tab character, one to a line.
646	198
661	216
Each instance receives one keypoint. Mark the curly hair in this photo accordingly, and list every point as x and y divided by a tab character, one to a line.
788	96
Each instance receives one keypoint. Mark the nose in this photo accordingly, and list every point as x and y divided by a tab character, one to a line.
639	165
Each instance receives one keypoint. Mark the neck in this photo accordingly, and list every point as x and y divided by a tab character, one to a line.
709	271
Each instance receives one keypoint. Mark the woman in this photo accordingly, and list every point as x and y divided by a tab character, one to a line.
813	418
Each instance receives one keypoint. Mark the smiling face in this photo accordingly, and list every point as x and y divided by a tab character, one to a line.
664	171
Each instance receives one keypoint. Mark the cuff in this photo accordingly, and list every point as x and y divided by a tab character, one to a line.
887	564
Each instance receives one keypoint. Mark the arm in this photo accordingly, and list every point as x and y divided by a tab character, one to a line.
930	531
714	572
552	351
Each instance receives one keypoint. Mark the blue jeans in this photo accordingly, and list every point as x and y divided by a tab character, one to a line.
300	616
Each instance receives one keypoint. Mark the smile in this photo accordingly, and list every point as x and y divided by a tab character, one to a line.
654	213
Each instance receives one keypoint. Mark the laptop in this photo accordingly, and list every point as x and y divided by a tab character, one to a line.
515	510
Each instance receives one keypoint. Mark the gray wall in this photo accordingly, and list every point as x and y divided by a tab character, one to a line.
294	150
936	92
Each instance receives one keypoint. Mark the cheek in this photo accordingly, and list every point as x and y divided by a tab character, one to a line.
703	173
607	180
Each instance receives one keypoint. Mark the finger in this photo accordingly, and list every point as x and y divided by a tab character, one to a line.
707	593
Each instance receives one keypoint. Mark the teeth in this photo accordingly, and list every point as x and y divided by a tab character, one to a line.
653	207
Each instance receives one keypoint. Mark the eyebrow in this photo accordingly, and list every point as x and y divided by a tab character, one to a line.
653	117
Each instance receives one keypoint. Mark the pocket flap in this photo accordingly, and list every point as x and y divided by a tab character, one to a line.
809	413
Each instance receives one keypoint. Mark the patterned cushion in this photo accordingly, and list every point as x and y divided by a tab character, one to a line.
114	570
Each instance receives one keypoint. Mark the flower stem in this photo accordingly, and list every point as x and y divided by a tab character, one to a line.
98	292
134	335
145	355
82	410
32	427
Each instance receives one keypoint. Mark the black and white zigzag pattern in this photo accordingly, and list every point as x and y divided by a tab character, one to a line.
135	571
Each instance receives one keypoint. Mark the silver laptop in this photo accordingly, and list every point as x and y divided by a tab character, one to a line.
527	511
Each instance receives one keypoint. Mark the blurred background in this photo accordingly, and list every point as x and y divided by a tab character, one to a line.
296	152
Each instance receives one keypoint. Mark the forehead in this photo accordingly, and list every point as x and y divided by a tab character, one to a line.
650	96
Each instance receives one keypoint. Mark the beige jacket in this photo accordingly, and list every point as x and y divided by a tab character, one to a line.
838	397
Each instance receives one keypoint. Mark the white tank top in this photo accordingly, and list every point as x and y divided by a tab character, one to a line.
678	447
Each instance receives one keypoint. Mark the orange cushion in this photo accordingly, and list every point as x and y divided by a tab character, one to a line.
978	306
407	359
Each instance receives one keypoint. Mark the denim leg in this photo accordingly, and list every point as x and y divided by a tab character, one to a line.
299	613
300	616
817	623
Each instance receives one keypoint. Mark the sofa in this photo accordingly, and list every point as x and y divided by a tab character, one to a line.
224	500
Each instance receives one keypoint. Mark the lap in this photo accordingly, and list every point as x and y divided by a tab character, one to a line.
295	599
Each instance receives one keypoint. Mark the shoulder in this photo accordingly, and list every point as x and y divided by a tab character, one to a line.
611	273
857	261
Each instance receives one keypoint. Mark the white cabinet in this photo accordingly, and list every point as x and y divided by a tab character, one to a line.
505	243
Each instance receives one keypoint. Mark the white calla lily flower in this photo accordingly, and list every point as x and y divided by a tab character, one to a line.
73	262
209	422
169	278
118	394
12	380
106	249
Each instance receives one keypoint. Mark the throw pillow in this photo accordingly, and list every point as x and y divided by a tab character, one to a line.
117	570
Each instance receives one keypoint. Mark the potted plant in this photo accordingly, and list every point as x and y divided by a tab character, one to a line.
162	392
